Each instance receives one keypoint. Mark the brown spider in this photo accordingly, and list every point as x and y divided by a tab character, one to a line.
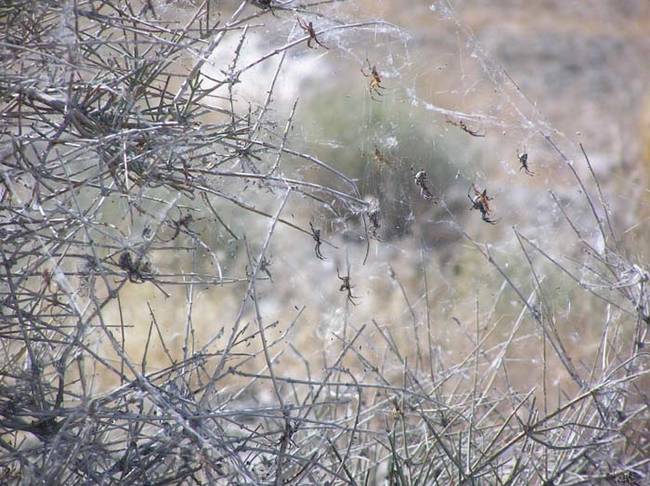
346	287
421	180
315	234
481	201
381	158
523	160
47	278
397	410
308	27
463	126
374	85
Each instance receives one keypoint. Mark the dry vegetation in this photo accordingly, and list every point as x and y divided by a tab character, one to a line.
190	294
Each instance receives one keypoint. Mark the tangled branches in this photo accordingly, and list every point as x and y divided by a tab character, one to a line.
121	151
107	136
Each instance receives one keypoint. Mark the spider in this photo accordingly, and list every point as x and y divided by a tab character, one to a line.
421	181
381	158
315	234
523	160
308	27
346	287
287	434
463	126
182	222
481	201
264	4
374	85
264	267
138	271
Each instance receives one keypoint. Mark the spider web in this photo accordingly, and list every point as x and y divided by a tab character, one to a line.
448	108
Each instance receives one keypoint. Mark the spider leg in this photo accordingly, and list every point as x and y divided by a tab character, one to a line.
320	43
488	220
351	297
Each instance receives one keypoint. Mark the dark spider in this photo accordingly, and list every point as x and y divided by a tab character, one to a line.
374	85
481	201
421	180
265	4
463	126
287	434
264	267
182	222
308	27
315	234
138	271
523	160
346	287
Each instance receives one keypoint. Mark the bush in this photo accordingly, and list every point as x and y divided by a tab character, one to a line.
134	179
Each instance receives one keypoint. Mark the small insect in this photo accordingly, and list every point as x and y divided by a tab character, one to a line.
481	201
421	180
315	234
346	286
463	126
308	27
374	85
523	160
138	270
